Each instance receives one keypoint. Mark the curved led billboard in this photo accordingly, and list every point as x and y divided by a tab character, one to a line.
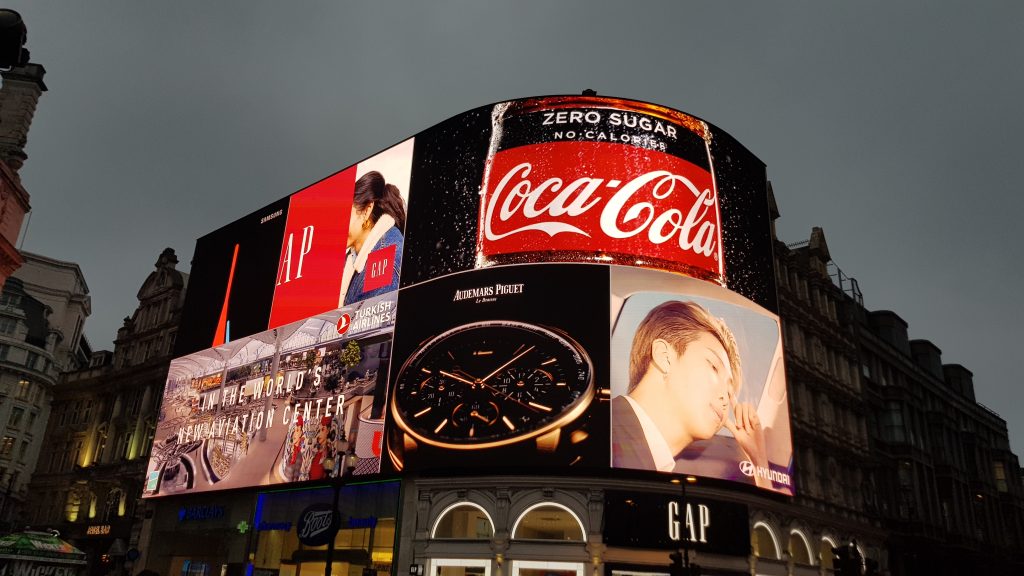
584	282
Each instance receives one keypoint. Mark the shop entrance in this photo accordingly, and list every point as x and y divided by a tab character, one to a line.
532	568
459	567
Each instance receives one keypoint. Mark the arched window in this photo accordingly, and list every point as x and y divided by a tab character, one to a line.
799	549
765	544
101	442
463	520
825	553
548	521
114	507
72	504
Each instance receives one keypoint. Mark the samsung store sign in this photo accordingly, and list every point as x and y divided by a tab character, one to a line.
661	521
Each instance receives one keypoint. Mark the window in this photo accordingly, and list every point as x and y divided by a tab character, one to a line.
23	451
32	360
7	446
101	442
463	520
24	386
8	299
31	421
799	549
825	553
764	543
999	472
114	506
4	350
8	325
892	420
134	403
17	413
548	521
123	445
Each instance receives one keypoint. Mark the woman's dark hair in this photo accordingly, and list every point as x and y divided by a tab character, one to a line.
385	197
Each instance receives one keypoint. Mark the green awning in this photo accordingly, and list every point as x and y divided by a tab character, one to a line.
39	546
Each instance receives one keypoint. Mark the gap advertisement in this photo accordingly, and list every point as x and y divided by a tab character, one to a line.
585	282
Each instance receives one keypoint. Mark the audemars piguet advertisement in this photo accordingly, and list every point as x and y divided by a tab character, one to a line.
586	282
504	370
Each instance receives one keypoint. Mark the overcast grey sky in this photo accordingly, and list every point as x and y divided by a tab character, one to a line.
894	126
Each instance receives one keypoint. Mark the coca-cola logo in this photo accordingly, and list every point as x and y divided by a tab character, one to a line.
589	197
695	231
317	525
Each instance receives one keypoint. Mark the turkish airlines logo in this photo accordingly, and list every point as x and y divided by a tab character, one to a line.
601	198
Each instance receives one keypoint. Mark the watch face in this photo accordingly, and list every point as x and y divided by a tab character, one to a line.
491	383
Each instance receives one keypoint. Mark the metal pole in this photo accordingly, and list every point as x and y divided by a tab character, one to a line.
334	528
685	540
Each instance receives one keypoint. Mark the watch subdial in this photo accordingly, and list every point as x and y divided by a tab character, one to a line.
524	385
433	396
475	417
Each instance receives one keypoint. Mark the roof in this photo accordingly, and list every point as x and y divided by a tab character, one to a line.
39	546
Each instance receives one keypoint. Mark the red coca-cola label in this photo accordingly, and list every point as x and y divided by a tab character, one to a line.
595	197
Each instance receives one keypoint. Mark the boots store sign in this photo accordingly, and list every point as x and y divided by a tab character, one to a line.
638	520
515	238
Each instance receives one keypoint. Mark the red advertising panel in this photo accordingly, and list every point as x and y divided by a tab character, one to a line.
313	250
586	284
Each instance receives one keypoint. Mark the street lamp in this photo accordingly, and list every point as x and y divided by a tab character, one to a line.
346	455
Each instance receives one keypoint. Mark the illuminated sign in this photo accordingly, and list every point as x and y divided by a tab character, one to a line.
200	513
661	521
317	525
522	234
98	530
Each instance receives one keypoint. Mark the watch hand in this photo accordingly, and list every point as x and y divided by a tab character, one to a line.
507	364
456	377
508	396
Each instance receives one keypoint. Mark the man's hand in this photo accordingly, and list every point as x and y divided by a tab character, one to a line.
750	435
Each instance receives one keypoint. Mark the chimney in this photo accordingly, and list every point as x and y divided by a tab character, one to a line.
22	86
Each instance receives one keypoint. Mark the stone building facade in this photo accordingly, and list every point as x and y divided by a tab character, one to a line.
100	432
886	436
43	309
950	489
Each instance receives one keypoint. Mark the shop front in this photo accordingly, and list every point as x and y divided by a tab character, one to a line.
201	535
293	531
641	529
565	527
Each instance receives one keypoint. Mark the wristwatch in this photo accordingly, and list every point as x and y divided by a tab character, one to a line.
491	385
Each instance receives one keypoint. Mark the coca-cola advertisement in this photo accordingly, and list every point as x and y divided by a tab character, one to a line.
527	242
590	179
